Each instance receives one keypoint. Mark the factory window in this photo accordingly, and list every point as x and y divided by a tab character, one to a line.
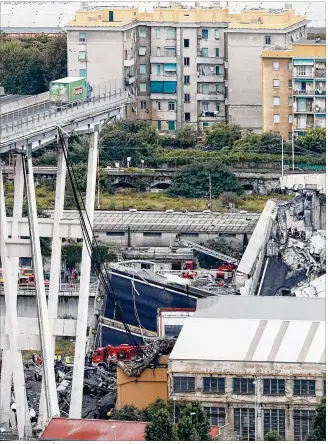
143	87
290	83
110	16
171	125
83	72
243	386
81	55
142	69
273	386
186	43
205	34
159	124
274	421
25	261
276	101
82	37
142	50
186	61
171	106
182	384
205	124
304	387
213	385
187	98
302	424
172	330
217	34
152	234
290	118
186	80
187	117
217	70
290	66
158	33
170	33
115	233
143	104
267	40
275	66
217	52
276	118
276	83
244	424
290	101
142	32
204	52
215	415
189	234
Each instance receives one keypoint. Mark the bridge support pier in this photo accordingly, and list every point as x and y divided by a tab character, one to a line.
82	318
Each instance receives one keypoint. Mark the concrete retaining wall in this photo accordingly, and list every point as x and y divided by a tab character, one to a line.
24	103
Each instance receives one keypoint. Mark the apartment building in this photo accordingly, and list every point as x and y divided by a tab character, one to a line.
294	88
176	60
256	364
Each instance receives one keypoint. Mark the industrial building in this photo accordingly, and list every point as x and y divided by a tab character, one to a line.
256	364
294	88
183	64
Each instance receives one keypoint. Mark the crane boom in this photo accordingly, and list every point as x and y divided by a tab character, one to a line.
209	252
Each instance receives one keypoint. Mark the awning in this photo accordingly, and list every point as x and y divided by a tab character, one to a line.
303	62
170	66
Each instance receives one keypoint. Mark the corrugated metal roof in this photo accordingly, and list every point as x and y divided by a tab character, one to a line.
257	340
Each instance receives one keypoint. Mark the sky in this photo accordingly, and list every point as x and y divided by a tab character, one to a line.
58	13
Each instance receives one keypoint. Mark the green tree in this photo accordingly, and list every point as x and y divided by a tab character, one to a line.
313	141
186	430
266	143
127	413
272	436
45	244
318	432
55	58
161	427
223	135
199	420
193	181
72	254
153	408
185	137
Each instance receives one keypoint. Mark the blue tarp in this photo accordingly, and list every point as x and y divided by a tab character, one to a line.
163	87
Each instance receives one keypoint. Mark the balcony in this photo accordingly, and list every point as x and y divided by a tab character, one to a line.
210	78
299	92
320	123
321	73
129	80
163	59
209	60
213	95
129	62
163	96
211	116
308	73
164	76
319	110
319	92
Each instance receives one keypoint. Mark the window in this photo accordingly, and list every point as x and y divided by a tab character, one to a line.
243	386
110	16
166	87
217	34
143	87
158	106
276	83
187	98
276	101
158	33
205	88
142	69
218	107
205	124
81	55
83	72
142	32
187	117
152	234
213	385
205	34
218	88
158	70
115	233
142	50
143	104
302	424
290	66
172	330
276	118
159	124
217	52
304	387
186	43
170	33
267	40
158	51
273	386
290	101
182	384
217	70
301	70
244	424
186	80
189	234
274	421
204	52
82	37
276	66
171	125
216	415
204	107
170	52
290	83
186	61
290	118
171	106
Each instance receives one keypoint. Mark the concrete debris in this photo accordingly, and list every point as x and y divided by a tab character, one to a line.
313	289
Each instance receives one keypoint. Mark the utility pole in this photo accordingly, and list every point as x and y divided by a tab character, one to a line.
282	156
98	182
293	150
210	191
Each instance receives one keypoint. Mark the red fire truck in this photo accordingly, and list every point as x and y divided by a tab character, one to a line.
107	357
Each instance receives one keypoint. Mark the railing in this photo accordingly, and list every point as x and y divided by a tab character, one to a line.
321	74
163	53
320	110
308	92
308	126
320	93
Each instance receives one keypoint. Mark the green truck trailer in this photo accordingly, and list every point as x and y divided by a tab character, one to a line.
69	90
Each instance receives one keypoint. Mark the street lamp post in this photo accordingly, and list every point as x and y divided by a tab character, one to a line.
255	408
174	399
